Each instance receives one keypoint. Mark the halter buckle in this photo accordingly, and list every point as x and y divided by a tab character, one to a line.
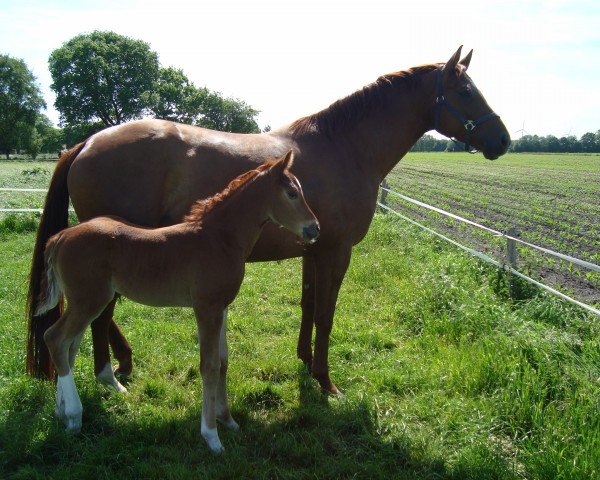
439	100
470	125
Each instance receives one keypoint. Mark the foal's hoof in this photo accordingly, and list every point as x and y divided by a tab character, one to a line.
107	377
229	424
212	440
124	368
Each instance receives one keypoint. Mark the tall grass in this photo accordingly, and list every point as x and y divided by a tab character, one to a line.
444	378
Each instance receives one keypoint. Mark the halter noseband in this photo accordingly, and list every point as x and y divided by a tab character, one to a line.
470	125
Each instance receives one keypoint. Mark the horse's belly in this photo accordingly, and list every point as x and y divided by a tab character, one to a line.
152	293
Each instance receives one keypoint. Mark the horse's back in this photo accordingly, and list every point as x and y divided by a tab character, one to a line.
150	171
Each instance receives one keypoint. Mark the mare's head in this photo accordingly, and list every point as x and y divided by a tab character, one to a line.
462	112
288	207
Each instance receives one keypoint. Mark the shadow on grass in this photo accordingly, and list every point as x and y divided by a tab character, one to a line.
320	437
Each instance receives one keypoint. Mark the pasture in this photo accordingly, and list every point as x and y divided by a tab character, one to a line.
444	376
552	200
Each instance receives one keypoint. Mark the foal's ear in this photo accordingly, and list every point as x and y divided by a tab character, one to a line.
449	69
467	60
283	163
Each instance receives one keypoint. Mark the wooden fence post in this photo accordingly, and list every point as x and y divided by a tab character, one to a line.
511	255
384	193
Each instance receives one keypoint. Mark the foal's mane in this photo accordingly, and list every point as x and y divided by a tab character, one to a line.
353	107
201	208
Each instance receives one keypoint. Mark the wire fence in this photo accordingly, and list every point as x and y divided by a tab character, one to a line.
511	240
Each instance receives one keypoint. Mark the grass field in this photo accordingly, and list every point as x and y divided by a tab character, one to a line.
444	378
551	200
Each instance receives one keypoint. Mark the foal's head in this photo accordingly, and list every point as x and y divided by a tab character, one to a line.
288	207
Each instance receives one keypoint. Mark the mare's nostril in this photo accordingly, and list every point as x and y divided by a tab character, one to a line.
311	232
505	141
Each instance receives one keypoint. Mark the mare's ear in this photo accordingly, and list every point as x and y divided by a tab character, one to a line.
283	163
449	70
467	60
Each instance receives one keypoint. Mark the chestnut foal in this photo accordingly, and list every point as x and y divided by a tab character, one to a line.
198	263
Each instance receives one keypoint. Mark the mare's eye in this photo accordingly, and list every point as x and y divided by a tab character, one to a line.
465	91
292	194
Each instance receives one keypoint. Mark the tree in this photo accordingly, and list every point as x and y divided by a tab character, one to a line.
174	97
102	76
228	115
52	138
20	101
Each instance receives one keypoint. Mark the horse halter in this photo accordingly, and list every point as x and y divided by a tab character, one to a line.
470	125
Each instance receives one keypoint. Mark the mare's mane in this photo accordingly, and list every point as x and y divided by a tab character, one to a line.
201	208
353	107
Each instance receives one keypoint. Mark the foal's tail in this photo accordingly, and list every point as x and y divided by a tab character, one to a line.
50	289
55	218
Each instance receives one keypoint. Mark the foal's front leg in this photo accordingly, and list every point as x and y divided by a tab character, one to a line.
209	320
222	409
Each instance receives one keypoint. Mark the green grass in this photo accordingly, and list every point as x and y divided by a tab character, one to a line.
444	378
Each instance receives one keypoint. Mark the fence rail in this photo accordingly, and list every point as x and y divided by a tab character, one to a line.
511	240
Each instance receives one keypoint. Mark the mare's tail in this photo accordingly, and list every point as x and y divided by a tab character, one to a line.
55	218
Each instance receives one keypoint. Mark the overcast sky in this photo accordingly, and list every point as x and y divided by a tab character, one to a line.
536	62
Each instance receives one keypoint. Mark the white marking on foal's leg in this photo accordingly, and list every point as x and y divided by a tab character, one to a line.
222	408
210	435
68	404
107	377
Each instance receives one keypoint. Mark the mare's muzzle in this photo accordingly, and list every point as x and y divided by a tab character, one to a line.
311	232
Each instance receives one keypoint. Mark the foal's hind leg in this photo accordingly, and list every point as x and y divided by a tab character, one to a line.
222	408
62	340
100	336
104	330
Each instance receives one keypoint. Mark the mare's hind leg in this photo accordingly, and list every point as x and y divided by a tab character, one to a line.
105	330
222	408
100	336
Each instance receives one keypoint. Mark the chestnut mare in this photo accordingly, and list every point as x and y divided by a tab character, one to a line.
150	171
198	263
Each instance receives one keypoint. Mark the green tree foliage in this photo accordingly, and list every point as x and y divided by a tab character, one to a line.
588	143
175	98
52	138
228	115
20	101
102	76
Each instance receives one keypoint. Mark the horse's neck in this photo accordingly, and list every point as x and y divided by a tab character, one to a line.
240	219
384	134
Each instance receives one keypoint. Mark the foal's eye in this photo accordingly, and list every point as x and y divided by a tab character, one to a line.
292	194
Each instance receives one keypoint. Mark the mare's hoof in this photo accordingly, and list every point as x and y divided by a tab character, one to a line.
327	385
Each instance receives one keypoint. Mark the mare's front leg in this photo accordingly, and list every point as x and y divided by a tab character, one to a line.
330	267
304	349
222	408
210	320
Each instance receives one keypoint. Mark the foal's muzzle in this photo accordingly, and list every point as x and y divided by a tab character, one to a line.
310	233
